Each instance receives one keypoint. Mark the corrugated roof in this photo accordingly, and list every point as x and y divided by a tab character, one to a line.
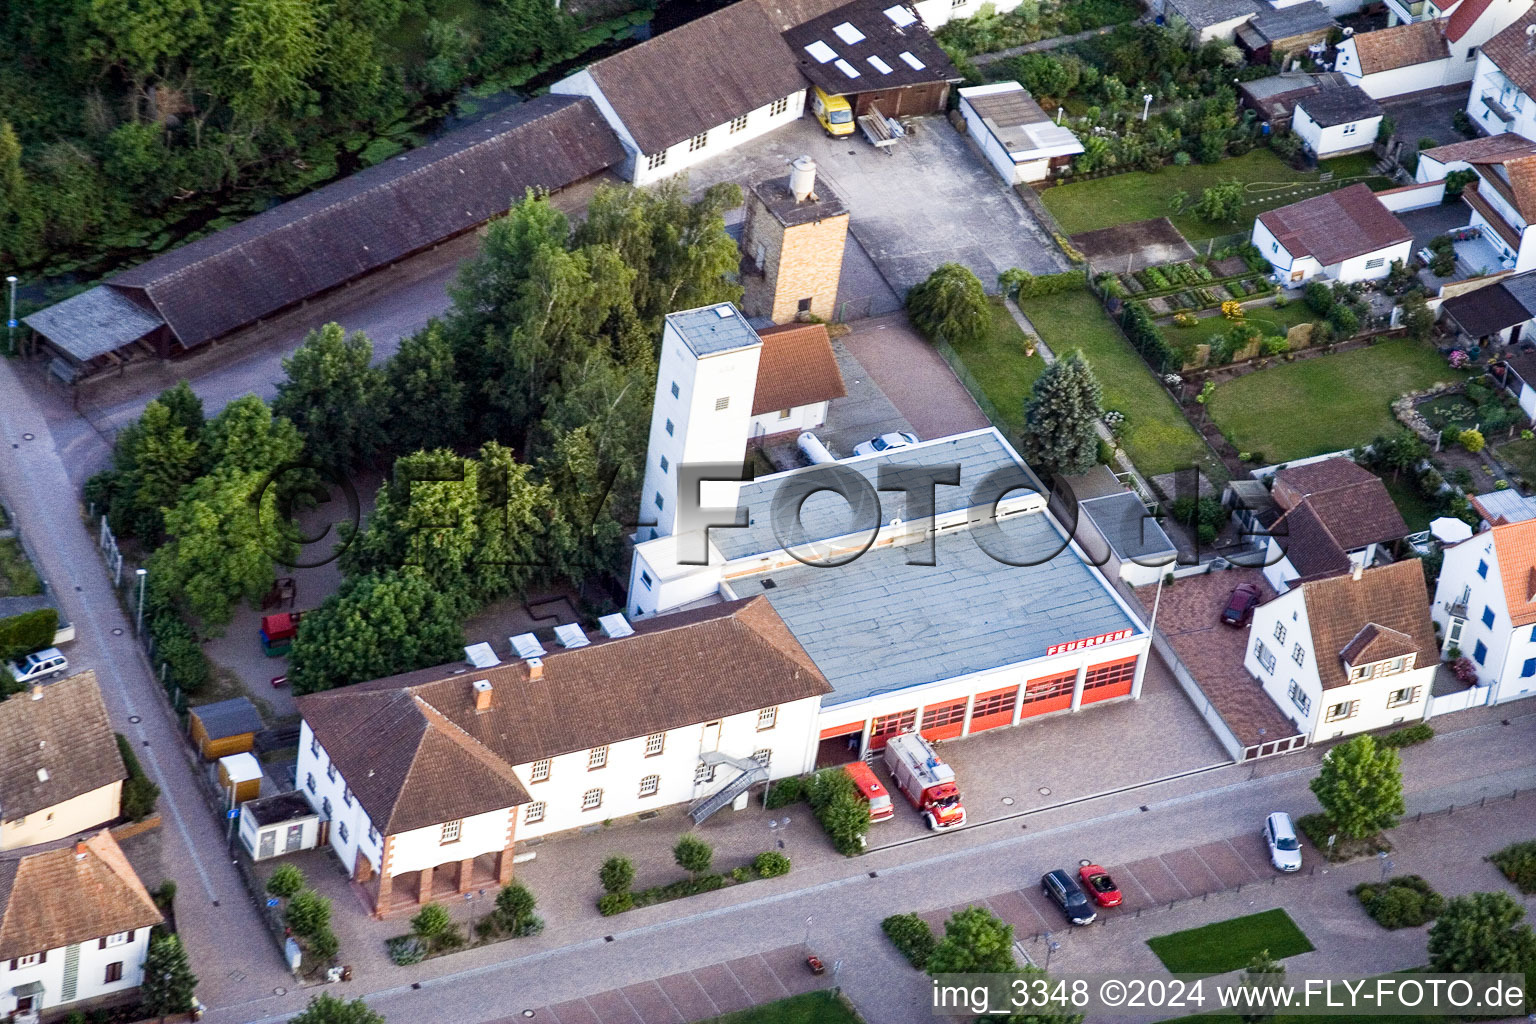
1510	50
1401	46
883	40
55	747
1335	226
797	367
1391	597
1019	124
216	284
95	322
61	897
1508	506
1206	13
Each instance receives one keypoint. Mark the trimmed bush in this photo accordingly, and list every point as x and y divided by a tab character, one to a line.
1423	732
617	874
1404	901
139	793
1021	284
771	864
30	631
1518	862
611	903
842	811
787	791
911	936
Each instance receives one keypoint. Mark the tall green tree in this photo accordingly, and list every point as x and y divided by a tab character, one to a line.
169	984
1360	786
1482	932
1263	972
334	396
246	438
327	1009
425	393
951	304
269	49
1042	1016
377	625
1061	418
975	941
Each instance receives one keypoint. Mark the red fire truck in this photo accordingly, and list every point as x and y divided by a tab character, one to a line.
869	787
928	783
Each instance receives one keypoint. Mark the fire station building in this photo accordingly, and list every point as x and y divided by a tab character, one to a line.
974	614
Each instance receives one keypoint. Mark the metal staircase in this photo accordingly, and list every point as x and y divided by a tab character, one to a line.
750	774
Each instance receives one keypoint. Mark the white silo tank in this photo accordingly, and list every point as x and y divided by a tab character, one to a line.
802	177
814	450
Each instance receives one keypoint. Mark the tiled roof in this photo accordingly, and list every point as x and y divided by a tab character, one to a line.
74	893
415	752
1488	147
797	367
1510	50
1308	544
1517	182
56	746
1336	225
1349	501
1515	546
876	58
1206	13
1402	46
1340	104
1377	643
1389	597
1464	17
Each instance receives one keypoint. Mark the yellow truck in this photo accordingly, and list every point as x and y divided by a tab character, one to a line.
833	112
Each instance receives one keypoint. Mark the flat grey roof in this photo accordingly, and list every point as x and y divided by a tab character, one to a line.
826	514
1130	532
877	624
708	333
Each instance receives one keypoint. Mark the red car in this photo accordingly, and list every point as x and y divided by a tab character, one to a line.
1098	884
1240	606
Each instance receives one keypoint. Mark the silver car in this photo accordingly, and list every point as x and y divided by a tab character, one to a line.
47	662
886	443
1280	837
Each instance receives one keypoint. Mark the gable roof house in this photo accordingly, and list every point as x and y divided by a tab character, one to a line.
1346	235
1496	315
1503	207
1503	96
60	769
1334	515
74	925
1337	120
797	379
427	779
1349	653
211	287
869	53
1425	54
1485	604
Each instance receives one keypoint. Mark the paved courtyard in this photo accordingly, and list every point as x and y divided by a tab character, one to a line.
967	215
914	377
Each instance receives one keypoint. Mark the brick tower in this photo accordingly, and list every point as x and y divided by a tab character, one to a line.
792	246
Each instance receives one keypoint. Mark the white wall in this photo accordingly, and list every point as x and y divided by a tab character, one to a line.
77	814
1372	265
1336	138
323	792
1488	80
990	147
1507	647
1398	200
90	977
424	848
1288	611
1293	270
792	740
801	417
936	12
251	833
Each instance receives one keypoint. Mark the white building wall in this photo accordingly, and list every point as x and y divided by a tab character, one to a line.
801	417
1335	138
990	147
77	814
424	847
1373	711
251	833
332	800
90	977
583	84
1288	611
1507	647
1489	81
1372	265
792	740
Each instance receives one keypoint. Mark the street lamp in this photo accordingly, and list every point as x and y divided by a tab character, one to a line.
10	322
1051	946
138	627
1146	105
1386	865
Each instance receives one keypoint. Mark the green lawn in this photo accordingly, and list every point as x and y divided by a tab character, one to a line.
1520	456
1416	511
810	1008
17	577
1157	436
1229	945
1142	195
1270	319
1324	404
1000	368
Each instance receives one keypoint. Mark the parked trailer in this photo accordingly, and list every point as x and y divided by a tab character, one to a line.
925	780
881	131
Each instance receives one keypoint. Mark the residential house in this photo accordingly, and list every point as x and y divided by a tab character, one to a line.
1485	604
60	769
74	927
1337	121
1503	205
224	727
427	779
1346	235
1504	81
1017	137
1350	653
1335	516
797	380
1426	54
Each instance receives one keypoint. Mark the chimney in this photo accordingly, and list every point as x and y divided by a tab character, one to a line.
1357	569
80	850
482	688
535	668
37	691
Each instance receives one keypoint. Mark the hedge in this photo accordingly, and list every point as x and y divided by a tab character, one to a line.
1024	285
139	793
1422	732
911	936
1405	901
1518	862
1146	339
176	646
27	632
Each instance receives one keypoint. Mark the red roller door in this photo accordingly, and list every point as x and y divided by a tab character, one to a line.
993	709
886	726
1111	679
842	730
944	721
1048	693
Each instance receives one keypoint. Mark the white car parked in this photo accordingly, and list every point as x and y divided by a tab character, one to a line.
886	443
50	661
1280	837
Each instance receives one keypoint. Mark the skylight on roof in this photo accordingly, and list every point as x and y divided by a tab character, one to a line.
848	34
847	69
912	62
821	52
527	645
880	65
900	16
571	634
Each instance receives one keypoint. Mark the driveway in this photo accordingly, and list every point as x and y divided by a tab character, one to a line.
914	377
925	201
1427	115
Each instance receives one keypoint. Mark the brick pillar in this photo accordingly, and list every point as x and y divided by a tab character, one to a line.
424	894
362	871
504	858
466	874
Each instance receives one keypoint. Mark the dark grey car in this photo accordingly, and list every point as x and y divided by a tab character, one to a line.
1063	890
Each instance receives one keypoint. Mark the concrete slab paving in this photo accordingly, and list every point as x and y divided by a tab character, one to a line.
788	965
576	1011
1014	908
690	999
612	1007
1191	872
1132	894
1227	863
916	379
722	988
651	1004
758	980
1157	880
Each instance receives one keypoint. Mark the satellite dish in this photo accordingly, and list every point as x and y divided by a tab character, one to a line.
1530	30
1349	31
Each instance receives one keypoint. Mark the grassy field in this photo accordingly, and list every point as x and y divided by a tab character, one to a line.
1157	436
1142	195
1000	368
1324	404
810	1008
1229	945
1520	456
1416	511
17	578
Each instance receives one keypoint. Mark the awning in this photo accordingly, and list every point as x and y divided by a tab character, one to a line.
1449	530
31	988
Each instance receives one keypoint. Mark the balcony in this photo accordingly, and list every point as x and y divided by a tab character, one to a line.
1497	109
1406	12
